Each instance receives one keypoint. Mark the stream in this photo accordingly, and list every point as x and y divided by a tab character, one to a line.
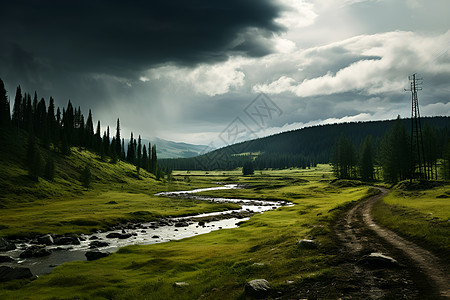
163	230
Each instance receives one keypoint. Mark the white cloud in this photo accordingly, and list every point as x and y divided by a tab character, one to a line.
299	14
205	79
379	63
436	109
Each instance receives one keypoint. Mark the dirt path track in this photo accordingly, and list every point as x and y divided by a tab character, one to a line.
421	276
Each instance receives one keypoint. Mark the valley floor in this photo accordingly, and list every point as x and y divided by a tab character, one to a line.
218	265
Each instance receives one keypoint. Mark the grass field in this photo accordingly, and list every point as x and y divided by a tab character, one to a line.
216	265
420	215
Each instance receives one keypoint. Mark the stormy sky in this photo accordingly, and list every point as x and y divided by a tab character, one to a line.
196	71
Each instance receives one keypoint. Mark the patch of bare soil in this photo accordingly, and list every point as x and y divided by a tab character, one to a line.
415	274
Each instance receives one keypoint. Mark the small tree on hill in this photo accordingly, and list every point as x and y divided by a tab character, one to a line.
86	177
5	117
247	168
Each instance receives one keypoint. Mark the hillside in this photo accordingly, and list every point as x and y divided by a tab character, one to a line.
117	193
17	186
304	146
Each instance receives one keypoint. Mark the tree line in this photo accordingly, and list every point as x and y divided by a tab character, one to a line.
59	129
392	158
367	150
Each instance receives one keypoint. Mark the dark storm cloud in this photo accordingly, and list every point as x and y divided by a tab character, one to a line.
122	37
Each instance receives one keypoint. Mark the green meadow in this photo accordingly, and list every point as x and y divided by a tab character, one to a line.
215	265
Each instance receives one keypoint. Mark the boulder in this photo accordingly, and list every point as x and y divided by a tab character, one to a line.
98	244
113	235
125	236
181	224
67	240
155	237
379	260
46	240
4	258
307	244
93	255
201	223
257	288
8	273
5	245
35	251
118	235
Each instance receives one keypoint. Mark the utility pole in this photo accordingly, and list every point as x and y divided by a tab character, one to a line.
416	130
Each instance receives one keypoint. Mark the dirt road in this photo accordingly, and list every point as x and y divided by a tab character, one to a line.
418	275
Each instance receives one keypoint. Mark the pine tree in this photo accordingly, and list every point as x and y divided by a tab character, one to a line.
68	123
28	115
344	158
17	115
122	156
144	158
149	166
130	152
431	150
154	160
34	112
51	120
41	123
89	132
114	156
395	154
98	139
139	154
118	148
5	117
247	168
366	161
106	145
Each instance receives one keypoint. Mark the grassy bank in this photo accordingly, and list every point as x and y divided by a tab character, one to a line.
421	215
216	265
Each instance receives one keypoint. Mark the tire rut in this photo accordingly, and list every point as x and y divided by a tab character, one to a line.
421	275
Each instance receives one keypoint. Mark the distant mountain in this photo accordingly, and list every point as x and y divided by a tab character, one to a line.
169	149
301	147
